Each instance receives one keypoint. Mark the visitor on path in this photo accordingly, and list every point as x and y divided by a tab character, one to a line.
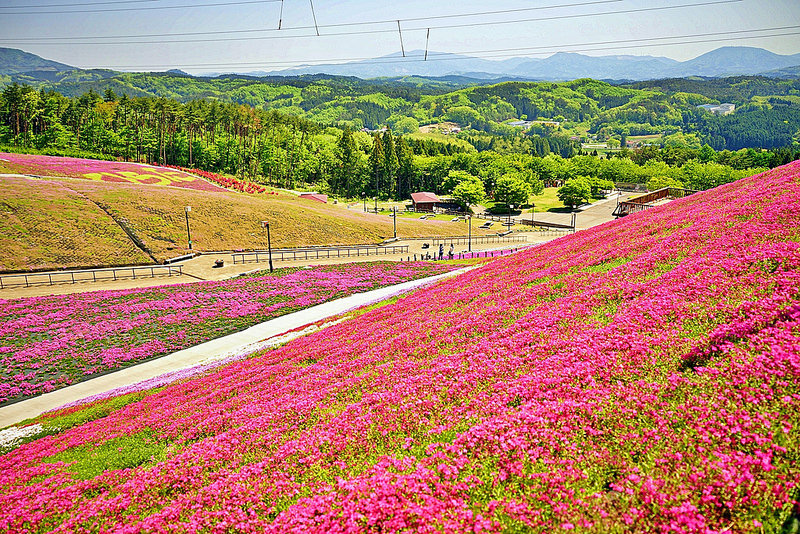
452	251
441	251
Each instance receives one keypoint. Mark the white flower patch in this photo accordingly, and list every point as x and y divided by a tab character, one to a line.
10	435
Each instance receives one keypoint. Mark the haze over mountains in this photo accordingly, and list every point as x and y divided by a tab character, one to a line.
725	61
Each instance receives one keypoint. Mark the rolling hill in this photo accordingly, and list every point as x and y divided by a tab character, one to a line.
54	223
641	376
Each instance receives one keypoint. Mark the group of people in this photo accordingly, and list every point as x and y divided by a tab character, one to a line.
450	253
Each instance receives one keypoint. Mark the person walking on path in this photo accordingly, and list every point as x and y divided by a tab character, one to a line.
452	251
441	251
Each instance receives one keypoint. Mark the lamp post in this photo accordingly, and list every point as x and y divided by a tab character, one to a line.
394	216
533	212
187	209
269	244
364	198
510	209
469	240
376	203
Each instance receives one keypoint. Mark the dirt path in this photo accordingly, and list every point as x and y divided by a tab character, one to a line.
215	350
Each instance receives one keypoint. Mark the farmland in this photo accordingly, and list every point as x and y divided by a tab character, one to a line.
638	376
51	342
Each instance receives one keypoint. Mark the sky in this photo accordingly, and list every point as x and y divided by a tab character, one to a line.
202	36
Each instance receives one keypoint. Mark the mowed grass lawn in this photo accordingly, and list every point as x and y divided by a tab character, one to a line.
548	200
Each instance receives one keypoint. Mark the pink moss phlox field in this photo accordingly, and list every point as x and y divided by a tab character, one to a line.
51	342
104	171
640	376
229	182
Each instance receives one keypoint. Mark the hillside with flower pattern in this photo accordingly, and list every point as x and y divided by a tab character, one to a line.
73	213
640	376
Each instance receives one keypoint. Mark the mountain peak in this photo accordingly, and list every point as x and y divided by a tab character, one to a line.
14	61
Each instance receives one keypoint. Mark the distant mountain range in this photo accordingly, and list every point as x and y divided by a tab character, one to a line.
725	61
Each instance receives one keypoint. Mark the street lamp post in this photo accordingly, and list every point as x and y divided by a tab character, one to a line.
188	232
510	209
533	212
364	198
469	240
376	203
269	244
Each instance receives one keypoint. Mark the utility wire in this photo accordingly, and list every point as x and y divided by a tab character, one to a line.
509	52
335	25
185	6
80	4
393	30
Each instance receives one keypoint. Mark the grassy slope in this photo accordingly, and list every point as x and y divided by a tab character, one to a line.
63	226
45	224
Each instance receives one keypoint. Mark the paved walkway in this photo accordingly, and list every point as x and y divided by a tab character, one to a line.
218	349
588	216
201	268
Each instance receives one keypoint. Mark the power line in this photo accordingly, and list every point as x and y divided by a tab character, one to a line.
378	31
334	25
509	52
80	4
185	6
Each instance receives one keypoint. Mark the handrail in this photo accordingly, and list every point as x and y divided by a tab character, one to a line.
644	202
316	253
73	277
460	240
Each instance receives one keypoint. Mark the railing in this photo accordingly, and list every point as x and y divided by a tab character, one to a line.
317	253
463	240
548	225
431	256
89	275
630	188
496	218
646	201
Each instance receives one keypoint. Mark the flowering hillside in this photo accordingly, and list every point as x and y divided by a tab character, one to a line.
228	182
102	171
51	342
641	376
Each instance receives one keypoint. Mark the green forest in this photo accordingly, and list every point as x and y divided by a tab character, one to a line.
767	115
354	138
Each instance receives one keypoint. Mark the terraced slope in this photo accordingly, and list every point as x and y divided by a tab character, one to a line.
641	376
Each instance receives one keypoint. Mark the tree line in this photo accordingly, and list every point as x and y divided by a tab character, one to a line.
282	150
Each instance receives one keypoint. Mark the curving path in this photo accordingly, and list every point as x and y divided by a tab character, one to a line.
269	333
